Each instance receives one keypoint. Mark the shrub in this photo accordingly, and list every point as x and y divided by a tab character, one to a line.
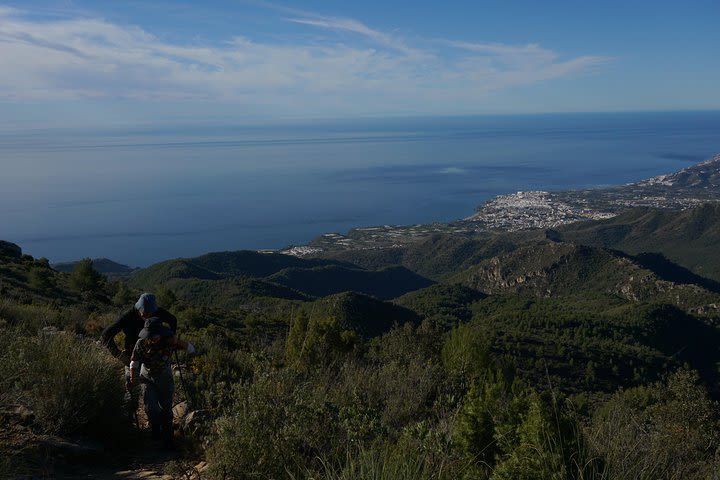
41	278
534	450
166	297
214	371
406	377
85	278
277	426
8	461
71	384
490	406
123	296
318	342
507	430
466	353
667	430
388	462
27	318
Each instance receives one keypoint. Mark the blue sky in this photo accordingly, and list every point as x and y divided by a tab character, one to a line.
102	62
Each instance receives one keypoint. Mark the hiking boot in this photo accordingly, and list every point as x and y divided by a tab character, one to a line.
155	426
169	444
167	433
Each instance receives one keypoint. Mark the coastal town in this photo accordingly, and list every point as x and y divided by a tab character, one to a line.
684	189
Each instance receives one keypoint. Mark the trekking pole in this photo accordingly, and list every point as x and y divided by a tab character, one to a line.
188	395
134	404
133	400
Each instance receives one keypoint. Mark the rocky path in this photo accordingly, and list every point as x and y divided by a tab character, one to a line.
51	457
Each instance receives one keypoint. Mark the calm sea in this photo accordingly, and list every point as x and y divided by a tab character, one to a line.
140	195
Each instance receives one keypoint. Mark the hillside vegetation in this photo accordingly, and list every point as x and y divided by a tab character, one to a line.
688	238
102	265
511	356
270	274
438	255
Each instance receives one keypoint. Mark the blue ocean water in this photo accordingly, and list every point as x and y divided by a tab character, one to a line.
144	194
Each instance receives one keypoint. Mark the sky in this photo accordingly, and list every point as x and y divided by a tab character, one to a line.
108	62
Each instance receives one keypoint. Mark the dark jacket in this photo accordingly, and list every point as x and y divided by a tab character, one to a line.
131	323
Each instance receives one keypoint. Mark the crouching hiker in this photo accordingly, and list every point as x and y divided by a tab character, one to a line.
151	356
130	323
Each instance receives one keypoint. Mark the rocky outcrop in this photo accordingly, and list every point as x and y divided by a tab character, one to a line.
8	249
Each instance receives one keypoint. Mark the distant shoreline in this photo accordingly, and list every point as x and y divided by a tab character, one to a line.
148	195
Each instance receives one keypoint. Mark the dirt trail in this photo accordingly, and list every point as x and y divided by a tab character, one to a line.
41	457
35	456
146	464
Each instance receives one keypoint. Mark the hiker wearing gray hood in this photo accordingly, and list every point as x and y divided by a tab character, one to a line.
150	364
131	322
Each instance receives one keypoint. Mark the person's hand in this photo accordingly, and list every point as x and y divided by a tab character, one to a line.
130	379
190	347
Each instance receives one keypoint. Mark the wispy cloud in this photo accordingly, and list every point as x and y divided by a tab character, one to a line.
353	26
512	54
357	68
7	11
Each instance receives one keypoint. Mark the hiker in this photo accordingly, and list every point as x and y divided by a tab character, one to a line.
131	322
151	356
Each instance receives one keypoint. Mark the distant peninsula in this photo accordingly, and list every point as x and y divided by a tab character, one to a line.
687	188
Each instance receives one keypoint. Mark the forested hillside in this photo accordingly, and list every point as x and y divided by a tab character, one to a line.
688	237
312	277
533	354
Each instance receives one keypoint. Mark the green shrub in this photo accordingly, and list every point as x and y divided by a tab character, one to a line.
404	390
27	318
318	341
276	426
214	371
70	384
85	278
388	462
41	278
166	297
466	353
508	431
667	430
8	469
533	448
487	410
123	297
405	377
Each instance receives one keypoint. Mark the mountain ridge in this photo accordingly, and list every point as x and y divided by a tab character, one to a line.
102	265
555	269
688	238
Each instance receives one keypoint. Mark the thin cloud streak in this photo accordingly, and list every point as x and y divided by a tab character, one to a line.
501	49
367	69
350	25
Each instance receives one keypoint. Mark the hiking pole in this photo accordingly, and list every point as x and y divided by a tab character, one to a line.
188	395
133	399
134	405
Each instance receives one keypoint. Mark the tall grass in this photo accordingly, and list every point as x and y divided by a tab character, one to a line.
26	319
388	463
71	384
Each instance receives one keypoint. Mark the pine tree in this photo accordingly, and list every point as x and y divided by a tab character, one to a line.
85	278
